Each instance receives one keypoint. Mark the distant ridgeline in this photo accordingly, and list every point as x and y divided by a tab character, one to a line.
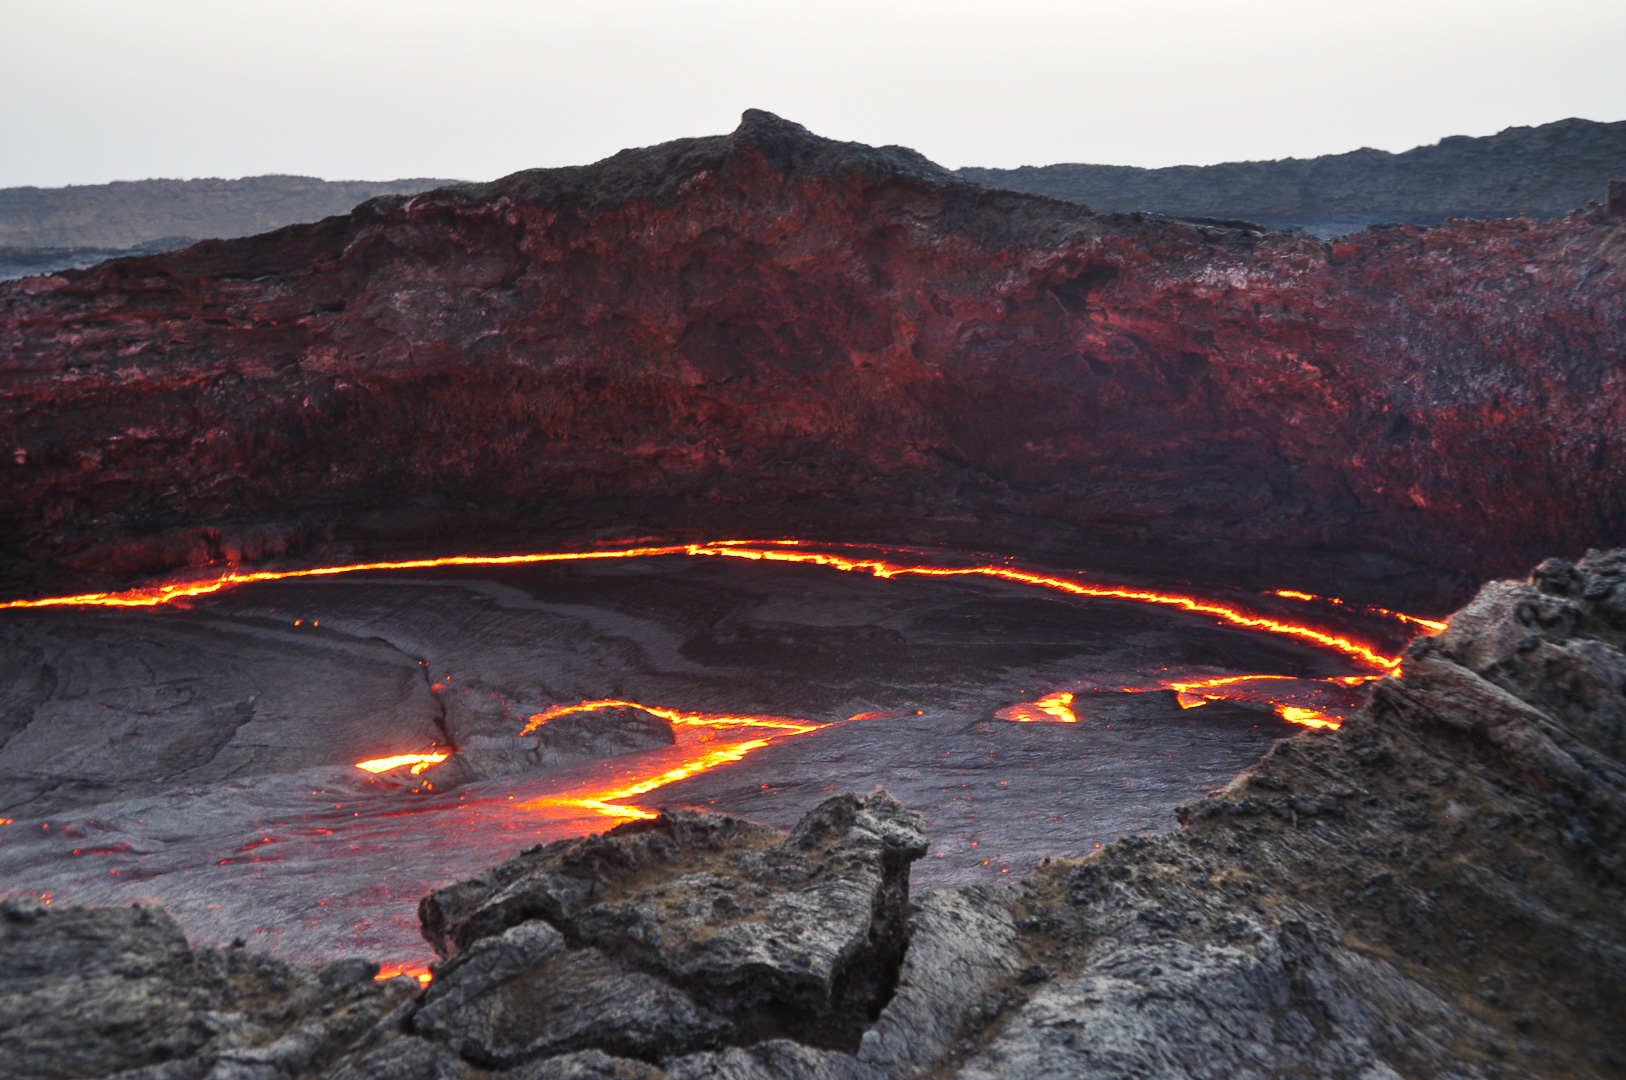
48	229
1543	171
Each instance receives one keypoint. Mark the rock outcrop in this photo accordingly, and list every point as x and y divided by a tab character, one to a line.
771	333
117	991
727	930
1435	890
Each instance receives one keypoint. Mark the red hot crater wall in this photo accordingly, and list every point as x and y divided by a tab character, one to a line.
770	333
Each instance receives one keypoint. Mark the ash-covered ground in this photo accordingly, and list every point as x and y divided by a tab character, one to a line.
204	755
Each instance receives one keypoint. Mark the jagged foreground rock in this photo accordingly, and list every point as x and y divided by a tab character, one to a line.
769	334
95	992
1436	890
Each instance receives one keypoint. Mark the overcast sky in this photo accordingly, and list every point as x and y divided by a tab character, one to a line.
98	90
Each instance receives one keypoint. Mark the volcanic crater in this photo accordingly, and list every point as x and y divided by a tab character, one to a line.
347	561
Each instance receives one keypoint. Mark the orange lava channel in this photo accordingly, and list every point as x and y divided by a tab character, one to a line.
419	762
672	716
606	802
1432	625
1052	708
603	802
1059	707
390	971
790	551
1191	695
694	737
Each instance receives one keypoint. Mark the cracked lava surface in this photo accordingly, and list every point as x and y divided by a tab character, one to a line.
199	742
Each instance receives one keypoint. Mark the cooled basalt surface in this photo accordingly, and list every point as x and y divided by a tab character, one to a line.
1434	890
770	333
204	755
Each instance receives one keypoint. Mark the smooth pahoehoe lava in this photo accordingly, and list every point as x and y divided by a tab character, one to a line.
742	734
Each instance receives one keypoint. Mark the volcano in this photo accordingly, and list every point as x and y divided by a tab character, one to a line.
446	584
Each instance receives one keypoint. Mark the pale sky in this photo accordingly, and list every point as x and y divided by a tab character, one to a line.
98	90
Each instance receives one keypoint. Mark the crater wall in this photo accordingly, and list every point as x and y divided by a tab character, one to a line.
769	333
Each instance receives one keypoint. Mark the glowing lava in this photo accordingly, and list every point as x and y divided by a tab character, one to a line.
419	762
790	551
417	971
601	802
1297	714
605	801
1054	708
1194	693
1225	613
1191	695
672	716
1431	625
697	732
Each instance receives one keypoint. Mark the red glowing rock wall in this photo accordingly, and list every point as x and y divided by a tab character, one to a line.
769	334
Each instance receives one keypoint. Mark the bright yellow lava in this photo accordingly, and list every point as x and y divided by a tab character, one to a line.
790	551
1052	708
419	762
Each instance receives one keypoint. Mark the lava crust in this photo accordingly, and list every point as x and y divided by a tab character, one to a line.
771	332
1434	890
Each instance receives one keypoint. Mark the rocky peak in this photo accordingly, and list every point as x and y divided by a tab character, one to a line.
661	174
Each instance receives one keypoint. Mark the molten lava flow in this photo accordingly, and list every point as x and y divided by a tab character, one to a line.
772	551
1297	714
390	971
1195	693
1186	692
1432	625
672	716
601	802
181	590
419	762
1055	707
604	802
1223	612
699	755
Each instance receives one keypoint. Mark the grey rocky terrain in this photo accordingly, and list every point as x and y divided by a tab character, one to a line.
1434	890
1543	172
43	230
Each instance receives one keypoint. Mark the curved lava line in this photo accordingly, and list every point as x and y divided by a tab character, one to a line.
769	551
